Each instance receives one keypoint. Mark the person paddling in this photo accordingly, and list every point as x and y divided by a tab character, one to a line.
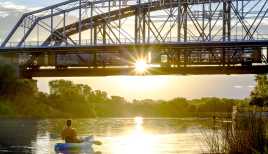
69	134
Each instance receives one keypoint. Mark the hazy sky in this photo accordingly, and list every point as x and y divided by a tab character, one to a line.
167	87
32	3
155	87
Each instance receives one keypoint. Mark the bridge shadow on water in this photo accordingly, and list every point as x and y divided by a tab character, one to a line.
16	135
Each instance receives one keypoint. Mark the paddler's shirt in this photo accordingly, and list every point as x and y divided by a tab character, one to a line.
69	135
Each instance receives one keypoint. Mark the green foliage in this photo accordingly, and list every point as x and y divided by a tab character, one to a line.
20	97
70	98
259	96
6	109
67	99
8	72
8	77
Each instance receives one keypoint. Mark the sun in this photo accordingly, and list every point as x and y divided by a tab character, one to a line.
141	66
138	120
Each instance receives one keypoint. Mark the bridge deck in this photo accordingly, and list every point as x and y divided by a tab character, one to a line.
117	47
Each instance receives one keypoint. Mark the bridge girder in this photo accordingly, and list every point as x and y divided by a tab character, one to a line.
188	20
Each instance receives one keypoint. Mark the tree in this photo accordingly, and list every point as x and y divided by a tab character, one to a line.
8	78
259	96
71	98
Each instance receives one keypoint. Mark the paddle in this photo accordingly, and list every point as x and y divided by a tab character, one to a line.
91	139
97	142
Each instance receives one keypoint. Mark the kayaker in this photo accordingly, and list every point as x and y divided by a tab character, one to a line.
69	134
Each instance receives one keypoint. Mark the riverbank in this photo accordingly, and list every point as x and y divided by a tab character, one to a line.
69	100
111	108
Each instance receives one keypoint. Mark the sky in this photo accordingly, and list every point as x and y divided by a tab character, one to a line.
33	3
166	87
137	87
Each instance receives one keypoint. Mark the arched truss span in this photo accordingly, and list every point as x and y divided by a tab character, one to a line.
86	22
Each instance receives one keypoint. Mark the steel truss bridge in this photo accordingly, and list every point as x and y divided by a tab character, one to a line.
105	37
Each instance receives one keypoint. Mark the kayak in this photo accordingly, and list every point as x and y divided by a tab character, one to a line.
85	146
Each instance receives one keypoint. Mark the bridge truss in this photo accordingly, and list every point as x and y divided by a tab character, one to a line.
87	22
188	32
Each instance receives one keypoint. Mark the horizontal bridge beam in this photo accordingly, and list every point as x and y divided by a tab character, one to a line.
117	47
205	70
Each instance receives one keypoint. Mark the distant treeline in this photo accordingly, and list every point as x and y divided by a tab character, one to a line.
21	98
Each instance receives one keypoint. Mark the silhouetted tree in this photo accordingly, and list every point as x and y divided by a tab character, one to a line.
259	96
8	78
71	98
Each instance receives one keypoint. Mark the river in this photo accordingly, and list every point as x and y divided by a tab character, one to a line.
118	135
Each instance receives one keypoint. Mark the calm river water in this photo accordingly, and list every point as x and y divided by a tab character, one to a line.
118	135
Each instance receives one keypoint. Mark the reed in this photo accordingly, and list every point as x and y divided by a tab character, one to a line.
244	134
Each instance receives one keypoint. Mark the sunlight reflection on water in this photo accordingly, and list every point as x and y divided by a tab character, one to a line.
121	136
137	141
42	143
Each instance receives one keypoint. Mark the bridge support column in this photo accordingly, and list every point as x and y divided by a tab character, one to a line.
209	20
80	22
229	20
267	54
226	31
224	22
51	23
209	55
95	35
185	57
179	21
104	33
143	27
223	56
137	25
148	26
140	25
91	24
185	5
64	31
95	59
178	58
